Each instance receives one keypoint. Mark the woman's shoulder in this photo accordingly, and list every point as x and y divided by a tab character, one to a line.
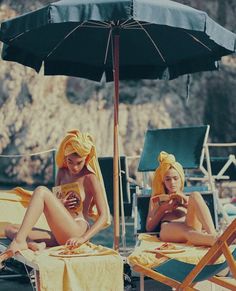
89	176
91	181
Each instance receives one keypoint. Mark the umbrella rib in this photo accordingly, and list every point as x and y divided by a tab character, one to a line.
60	42
197	40
124	23
134	24
98	24
156	47
92	26
107	47
102	24
15	37
133	27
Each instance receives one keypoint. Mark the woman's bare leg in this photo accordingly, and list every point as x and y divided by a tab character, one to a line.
37	238
198	214
59	219
179	232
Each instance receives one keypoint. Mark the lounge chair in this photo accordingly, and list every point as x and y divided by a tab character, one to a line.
184	276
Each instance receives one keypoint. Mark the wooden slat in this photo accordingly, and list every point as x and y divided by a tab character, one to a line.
229	283
230	259
213	254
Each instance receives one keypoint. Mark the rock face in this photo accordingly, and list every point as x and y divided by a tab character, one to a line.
36	111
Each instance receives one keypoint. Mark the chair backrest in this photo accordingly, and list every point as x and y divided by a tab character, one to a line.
186	143
106	165
141	205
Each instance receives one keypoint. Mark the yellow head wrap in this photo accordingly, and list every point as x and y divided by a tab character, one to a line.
166	161
82	144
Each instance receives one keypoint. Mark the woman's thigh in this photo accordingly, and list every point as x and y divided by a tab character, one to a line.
174	232
59	219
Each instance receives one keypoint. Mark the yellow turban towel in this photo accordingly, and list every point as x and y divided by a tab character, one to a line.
83	145
166	161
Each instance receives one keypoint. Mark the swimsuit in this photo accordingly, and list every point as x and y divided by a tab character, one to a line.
158	227
79	218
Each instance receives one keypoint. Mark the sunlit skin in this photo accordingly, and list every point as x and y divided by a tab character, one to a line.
172	181
189	221
64	229
75	164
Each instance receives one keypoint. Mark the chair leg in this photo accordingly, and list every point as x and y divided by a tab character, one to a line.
213	287
37	280
141	282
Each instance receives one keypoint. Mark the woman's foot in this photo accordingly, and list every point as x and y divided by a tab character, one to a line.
16	246
36	246
4	256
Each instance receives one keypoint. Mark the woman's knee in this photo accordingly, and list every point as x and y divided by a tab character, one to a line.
41	191
165	232
195	197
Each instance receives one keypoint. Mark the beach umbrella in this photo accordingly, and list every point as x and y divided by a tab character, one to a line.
117	40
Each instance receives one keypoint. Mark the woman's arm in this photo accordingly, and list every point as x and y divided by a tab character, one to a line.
156	213
66	201
93	187
181	198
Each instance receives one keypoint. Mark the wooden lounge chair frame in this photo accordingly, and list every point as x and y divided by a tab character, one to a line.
221	247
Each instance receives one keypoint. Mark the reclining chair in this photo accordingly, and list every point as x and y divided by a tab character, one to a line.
184	276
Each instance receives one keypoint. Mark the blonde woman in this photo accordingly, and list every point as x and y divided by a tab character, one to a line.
77	162
180	219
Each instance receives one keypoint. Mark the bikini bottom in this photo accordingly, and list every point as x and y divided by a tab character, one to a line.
165	221
82	219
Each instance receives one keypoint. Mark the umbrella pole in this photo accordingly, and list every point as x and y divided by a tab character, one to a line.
115	149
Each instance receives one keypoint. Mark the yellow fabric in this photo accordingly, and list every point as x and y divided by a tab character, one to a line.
13	204
82	144
166	162
104	272
191	255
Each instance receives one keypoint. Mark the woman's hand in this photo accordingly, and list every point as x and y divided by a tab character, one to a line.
69	202
169	206
180	198
75	241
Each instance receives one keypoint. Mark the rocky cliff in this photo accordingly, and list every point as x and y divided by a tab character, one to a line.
36	111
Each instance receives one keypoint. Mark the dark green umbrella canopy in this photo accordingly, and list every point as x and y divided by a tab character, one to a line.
158	39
